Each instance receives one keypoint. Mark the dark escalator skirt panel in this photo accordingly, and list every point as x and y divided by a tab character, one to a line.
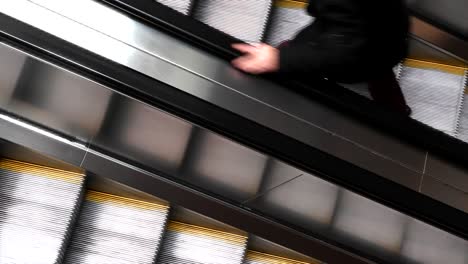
243	19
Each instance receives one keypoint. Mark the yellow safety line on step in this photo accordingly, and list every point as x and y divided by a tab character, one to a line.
207	232
99	197
270	259
291	4
436	66
43	171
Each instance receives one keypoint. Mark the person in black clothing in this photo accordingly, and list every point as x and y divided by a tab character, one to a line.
350	41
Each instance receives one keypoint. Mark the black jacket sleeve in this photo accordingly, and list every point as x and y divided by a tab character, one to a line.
335	39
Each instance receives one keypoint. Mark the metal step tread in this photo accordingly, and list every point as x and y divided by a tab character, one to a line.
184	243
37	209
113	229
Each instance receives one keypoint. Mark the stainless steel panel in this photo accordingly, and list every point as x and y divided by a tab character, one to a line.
447	172
421	50
144	134
426	244
370	222
21	153
277	173
261	245
182	6
439	38
445	193
243	19
367	159
286	23
190	217
224	167
24	134
451	14
11	68
352	219
51	96
360	134
307	201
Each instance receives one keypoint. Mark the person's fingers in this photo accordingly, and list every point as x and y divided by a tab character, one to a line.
240	62
247	65
244	48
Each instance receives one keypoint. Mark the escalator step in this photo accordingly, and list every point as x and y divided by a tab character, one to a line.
253	257
185	243
243	19
434	92
182	6
462	129
113	229
37	208
288	18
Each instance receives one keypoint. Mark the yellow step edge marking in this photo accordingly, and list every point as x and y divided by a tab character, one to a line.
207	232
270	259
38	170
436	66
291	4
99	197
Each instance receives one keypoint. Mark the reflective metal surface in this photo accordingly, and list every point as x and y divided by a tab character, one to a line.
331	211
449	14
228	168
148	137
453	45
162	57
52	97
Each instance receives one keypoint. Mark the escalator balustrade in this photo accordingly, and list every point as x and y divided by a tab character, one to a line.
435	92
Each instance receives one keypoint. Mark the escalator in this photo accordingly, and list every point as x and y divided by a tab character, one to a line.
168	118
50	216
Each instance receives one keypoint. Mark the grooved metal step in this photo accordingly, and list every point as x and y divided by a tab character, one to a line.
182	6
190	244
434	92
113	229
462	129
288	18
37	208
243	19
